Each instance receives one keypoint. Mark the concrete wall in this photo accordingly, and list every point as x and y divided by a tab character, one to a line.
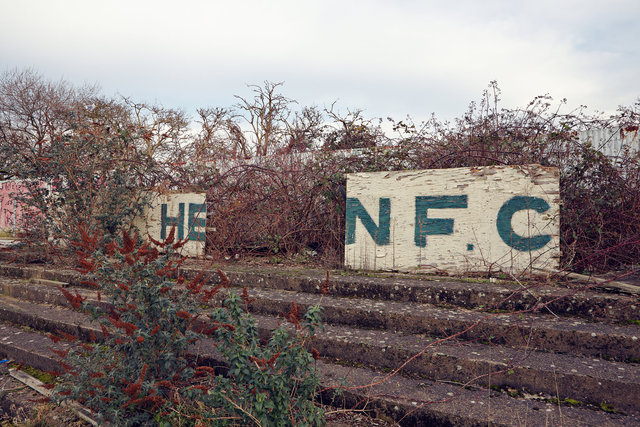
456	220
187	211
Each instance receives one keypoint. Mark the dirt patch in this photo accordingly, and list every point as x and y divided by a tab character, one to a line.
354	418
20	405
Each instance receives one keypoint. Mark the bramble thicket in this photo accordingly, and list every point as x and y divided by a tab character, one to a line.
274	174
275	183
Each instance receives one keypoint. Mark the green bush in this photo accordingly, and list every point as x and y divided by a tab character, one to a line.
140	372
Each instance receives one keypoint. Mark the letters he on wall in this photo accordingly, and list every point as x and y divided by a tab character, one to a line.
457	220
186	211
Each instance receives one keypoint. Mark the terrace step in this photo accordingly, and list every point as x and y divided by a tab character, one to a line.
581	300
580	378
557	355
445	359
534	331
412	402
586	301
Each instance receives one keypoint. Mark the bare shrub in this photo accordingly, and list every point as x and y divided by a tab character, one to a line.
290	202
94	154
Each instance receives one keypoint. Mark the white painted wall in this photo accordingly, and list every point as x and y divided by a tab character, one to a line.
487	189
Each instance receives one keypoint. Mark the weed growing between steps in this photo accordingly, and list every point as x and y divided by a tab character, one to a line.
139	371
44	377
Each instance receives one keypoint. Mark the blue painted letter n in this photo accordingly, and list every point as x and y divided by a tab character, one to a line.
380	233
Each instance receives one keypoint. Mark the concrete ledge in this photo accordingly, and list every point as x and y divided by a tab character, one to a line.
381	322
534	331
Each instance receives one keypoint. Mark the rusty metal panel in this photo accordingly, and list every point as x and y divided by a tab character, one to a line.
455	220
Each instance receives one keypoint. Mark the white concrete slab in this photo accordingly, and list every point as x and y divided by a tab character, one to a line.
457	220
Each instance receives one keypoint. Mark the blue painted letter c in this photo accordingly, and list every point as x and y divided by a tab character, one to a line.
505	229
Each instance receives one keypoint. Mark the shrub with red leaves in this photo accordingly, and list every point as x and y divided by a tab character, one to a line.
147	330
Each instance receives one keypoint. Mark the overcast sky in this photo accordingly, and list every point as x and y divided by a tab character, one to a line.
389	58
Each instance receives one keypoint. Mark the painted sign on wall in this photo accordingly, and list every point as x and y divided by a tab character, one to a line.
186	211
456	220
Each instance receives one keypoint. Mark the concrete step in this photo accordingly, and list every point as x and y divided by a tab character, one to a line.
462	338
586	301
477	294
445	359
580	378
31	348
533	331
67	276
412	402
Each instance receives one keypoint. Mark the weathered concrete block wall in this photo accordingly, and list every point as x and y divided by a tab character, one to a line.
457	220
186	211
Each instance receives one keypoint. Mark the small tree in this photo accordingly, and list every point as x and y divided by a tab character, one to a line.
267	115
352	131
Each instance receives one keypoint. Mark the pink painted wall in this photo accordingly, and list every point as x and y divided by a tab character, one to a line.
10	220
